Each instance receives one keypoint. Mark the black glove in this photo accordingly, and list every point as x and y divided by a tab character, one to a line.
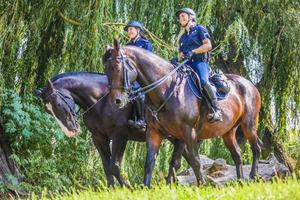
188	55
174	61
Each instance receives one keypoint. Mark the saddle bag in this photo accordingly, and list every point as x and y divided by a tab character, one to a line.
221	83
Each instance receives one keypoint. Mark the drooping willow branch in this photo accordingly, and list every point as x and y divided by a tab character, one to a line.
68	20
155	39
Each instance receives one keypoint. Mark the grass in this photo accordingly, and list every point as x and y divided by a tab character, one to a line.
288	189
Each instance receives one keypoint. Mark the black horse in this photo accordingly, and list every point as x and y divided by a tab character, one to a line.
89	91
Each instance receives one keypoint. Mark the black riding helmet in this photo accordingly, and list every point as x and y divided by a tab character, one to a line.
189	12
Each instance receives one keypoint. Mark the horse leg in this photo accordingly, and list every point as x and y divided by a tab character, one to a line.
118	149
102	145
235	150
153	140
190	138
179	147
185	153
249	129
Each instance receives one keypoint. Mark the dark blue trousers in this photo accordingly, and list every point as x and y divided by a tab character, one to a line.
201	68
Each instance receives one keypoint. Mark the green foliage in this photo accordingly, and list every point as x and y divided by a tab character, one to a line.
215	148
45	157
13	186
292	147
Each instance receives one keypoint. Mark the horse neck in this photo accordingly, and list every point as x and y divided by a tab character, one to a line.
84	92
151	70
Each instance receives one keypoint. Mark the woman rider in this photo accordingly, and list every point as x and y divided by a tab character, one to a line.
134	30
194	44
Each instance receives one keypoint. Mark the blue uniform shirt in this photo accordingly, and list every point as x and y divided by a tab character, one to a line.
140	42
194	40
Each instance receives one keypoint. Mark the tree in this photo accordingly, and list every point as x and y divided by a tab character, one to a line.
9	173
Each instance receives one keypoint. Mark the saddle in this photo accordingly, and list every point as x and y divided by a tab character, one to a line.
219	81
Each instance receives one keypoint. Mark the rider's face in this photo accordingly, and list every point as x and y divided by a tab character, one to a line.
183	18
131	31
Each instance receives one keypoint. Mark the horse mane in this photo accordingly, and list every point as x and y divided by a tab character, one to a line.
72	74
75	74
138	50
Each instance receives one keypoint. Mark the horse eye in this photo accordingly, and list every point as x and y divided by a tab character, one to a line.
58	105
118	69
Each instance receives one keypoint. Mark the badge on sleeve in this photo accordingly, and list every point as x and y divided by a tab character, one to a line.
181	44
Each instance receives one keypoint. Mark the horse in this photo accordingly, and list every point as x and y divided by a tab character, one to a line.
89	91
178	114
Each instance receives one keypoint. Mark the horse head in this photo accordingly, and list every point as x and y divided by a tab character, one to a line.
61	106
120	72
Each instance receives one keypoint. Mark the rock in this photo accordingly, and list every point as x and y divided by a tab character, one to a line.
219	173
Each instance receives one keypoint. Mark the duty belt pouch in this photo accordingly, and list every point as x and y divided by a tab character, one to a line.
220	81
205	56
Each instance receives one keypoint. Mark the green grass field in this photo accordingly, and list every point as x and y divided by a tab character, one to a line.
288	189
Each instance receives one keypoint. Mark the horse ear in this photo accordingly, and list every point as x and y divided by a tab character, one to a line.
107	46
37	93
49	86
116	44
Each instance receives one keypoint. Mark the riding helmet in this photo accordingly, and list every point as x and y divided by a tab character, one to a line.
135	24
188	11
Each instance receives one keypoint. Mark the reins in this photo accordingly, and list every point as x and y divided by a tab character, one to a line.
157	83
148	88
73	112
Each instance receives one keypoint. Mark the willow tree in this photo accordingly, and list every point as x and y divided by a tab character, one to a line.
255	39
263	46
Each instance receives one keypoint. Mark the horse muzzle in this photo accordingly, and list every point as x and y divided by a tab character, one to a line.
119	101
73	131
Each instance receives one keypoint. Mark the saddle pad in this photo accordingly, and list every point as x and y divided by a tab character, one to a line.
197	93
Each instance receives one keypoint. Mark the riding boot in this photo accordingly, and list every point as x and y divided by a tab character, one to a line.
140	124
217	115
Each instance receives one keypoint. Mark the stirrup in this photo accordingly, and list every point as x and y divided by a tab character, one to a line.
142	129
132	123
141	125
215	117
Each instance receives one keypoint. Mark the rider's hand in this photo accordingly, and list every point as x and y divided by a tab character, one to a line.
188	55
174	61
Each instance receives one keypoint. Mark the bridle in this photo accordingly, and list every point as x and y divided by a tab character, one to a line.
127	66
147	88
73	112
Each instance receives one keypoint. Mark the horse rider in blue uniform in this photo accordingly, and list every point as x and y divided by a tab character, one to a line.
135	30
194	45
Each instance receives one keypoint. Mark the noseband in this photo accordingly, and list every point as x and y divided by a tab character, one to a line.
64	98
73	112
127	66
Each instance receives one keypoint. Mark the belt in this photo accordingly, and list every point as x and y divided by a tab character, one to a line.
196	56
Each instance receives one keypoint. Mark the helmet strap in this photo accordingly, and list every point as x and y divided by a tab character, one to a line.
187	21
137	34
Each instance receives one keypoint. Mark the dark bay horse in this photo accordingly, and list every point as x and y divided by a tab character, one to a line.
105	122
179	116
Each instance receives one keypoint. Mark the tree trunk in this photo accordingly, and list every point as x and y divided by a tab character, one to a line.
8	166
